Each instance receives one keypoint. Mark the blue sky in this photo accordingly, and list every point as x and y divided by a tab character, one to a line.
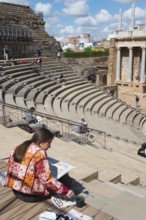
73	17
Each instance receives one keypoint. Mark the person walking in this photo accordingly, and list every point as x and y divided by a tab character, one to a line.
6	54
59	55
137	103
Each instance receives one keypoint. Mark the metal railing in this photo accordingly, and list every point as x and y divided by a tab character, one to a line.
11	116
16	32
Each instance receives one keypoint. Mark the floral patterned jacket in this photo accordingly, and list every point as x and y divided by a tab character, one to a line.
32	175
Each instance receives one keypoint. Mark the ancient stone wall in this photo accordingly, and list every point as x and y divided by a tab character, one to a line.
92	68
112	63
12	15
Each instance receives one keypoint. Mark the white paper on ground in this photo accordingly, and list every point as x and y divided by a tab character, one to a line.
47	215
60	203
78	215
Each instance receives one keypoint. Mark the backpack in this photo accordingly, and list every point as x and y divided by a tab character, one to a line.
142	151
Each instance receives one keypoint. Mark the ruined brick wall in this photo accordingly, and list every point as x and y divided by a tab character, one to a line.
13	14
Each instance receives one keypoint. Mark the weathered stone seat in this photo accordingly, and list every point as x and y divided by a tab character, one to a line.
96	108
103	110
59	100
113	108
94	100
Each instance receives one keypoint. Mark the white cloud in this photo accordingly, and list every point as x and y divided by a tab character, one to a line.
52	22
104	16
139	13
67	30
86	21
45	8
76	8
110	28
128	1
21	2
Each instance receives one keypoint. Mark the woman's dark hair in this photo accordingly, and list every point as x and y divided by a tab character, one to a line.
40	136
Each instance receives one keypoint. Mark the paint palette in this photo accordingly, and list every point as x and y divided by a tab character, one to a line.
60	203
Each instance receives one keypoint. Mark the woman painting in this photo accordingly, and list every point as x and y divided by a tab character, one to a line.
29	174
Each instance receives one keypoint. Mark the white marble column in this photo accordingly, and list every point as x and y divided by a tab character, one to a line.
142	73
132	17
118	67
130	64
120	20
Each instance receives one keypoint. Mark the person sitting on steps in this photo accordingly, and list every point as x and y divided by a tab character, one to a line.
29	118
29	175
81	127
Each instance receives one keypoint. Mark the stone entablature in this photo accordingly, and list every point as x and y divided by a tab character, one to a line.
129	44
120	35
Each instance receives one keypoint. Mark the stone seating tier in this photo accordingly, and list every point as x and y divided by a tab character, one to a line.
117	111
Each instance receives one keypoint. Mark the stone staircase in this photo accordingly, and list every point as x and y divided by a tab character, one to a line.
113	186
121	202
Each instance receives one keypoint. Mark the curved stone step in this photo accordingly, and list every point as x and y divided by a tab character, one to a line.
69	114
82	101
20	102
137	120
75	100
9	99
110	111
7	84
103	109
143	126
118	112
21	74
41	96
94	101
124	114
12	72
17	68
113	128
57	105
43	86
69	95
69	84
131	117
29	84
49	99
48	106
100	104
41	108
73	105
